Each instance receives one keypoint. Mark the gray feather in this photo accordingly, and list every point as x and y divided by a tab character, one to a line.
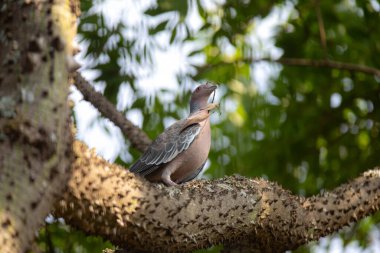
173	141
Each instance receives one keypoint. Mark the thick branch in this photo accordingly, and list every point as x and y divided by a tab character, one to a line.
137	137
304	63
107	200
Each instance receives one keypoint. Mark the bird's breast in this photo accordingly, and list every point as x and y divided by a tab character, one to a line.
192	159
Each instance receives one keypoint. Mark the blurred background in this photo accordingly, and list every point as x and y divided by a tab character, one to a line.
309	128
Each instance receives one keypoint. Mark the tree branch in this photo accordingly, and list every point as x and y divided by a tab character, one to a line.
137	137
327	64
107	200
303	63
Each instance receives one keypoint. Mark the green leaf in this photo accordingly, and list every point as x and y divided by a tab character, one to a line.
173	35
159	28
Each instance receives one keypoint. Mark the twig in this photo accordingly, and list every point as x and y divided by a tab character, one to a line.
137	137
49	242
327	64
322	32
323	63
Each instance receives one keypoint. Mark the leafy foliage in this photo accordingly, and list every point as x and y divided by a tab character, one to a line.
57	237
310	129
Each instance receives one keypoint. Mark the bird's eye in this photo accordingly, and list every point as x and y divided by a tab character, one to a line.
197	89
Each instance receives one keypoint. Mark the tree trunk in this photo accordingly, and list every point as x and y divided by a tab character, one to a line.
35	138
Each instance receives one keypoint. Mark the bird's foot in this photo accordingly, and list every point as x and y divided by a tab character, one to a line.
168	181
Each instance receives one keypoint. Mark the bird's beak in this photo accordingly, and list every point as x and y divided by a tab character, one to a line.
213	87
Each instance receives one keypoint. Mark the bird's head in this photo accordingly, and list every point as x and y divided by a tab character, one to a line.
200	96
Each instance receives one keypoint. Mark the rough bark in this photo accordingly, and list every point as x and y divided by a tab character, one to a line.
106	200
35	138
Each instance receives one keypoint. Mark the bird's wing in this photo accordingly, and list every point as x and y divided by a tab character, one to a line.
166	147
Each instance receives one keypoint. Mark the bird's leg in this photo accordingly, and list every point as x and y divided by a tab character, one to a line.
165	176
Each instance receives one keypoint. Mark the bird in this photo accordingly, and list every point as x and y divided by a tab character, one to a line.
179	153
